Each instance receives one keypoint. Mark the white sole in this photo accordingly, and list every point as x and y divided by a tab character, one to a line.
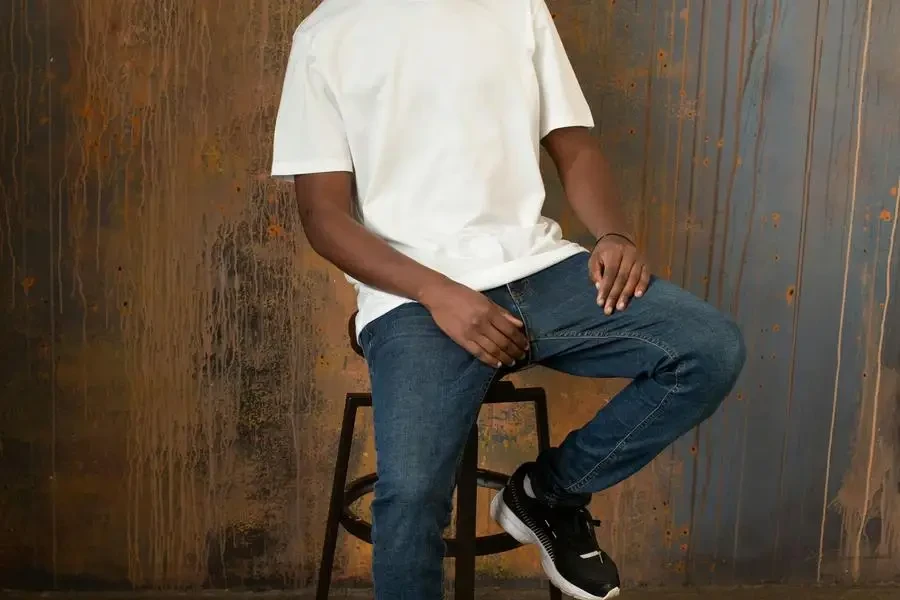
514	526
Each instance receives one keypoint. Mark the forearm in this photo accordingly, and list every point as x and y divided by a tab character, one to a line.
588	182
341	240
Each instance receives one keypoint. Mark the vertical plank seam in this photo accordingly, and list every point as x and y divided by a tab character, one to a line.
798	277
853	193
877	391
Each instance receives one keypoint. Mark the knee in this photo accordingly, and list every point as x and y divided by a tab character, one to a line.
418	500
411	489
716	357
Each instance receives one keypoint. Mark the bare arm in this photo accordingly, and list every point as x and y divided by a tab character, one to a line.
325	201
466	316
587	180
618	269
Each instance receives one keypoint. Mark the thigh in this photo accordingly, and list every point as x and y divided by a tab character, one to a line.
571	333
426	393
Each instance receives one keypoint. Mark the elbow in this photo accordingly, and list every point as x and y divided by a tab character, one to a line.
324	201
317	244
320	229
312	229
325	204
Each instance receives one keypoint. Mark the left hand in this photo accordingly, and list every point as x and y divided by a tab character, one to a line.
619	272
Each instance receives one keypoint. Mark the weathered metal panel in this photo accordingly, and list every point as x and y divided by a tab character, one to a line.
176	354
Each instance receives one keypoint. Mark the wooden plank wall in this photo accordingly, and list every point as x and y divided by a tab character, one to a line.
176	356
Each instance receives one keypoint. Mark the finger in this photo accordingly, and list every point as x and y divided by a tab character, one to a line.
644	283
515	334
634	278
492	331
512	319
596	272
495	351
507	345
610	265
613	300
480	353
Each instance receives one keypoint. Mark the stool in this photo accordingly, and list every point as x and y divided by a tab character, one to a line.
467	544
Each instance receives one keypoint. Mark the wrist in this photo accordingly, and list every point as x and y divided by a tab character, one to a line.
621	235
432	290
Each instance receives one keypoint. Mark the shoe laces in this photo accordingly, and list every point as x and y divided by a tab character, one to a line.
579	525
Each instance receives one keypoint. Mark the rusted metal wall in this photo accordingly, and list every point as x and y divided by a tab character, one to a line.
175	355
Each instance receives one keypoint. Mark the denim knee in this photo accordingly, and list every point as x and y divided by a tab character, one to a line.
716	358
415	500
732	354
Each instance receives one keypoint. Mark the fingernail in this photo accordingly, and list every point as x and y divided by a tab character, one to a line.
638	294
600	300
512	364
621	305
608	310
597	285
499	365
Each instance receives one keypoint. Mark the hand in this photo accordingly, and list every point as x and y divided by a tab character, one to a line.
474	322
619	272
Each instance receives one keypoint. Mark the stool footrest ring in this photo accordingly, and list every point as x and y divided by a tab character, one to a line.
362	529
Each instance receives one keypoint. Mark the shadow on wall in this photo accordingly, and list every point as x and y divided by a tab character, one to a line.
176	355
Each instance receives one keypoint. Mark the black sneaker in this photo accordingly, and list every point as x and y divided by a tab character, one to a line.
570	554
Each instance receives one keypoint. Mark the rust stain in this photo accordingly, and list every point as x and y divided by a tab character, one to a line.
789	294
275	230
27	284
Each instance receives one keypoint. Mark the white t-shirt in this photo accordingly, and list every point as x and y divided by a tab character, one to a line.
438	108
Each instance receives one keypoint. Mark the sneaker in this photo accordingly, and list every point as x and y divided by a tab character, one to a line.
570	554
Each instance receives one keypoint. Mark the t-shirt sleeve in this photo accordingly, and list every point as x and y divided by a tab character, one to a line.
562	102
309	132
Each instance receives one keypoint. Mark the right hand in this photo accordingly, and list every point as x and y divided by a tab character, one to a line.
473	321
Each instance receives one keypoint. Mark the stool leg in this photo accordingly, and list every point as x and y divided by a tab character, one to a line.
336	506
466	494
542	420
542	424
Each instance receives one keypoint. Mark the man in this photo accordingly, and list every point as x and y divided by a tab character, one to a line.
412	130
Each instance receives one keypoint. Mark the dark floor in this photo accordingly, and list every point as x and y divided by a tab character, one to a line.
710	593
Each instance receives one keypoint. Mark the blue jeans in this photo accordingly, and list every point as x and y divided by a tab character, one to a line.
682	355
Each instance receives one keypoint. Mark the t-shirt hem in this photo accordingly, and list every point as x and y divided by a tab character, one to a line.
519	269
287	170
570	121
488	280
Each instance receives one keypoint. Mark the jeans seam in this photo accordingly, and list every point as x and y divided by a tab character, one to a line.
484	391
601	335
515	301
574	487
